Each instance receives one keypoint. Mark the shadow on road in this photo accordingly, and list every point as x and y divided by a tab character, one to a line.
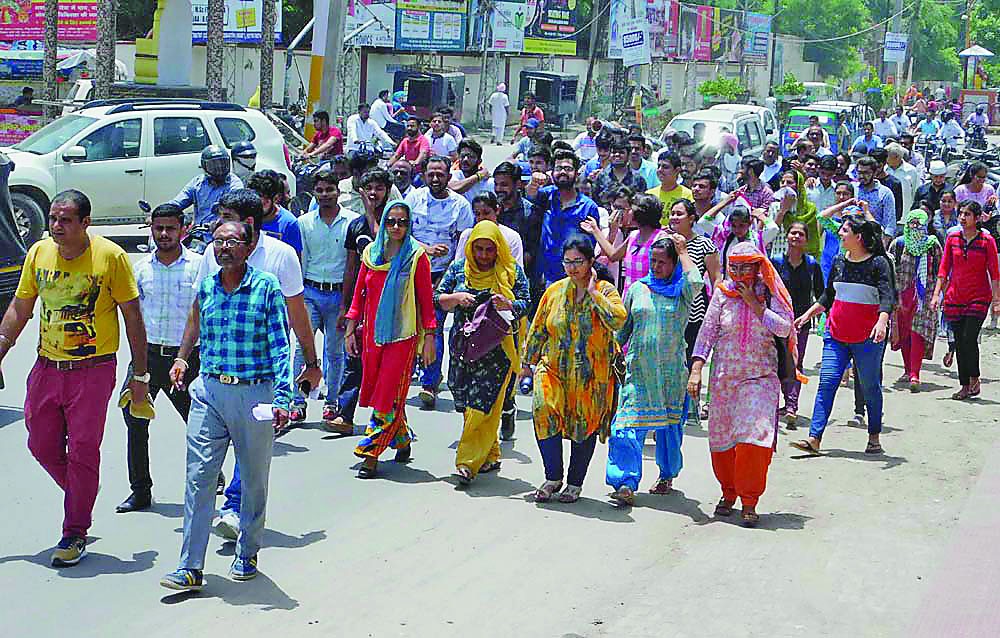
93	564
274	538
281	448
10	415
401	473
491	485
854	455
167	510
675	502
772	521
261	592
585	507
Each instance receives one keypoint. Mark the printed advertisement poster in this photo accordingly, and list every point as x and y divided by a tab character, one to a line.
727	41
508	22
621	10
14	127
757	37
703	34
671	31
431	25
687	31
551	27
635	42
25	20
242	24
656	18
382	33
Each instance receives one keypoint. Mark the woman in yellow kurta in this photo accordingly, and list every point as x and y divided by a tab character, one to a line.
571	343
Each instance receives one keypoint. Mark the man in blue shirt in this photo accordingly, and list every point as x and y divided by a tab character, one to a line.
564	209
279	222
240	318
881	201
867	141
205	191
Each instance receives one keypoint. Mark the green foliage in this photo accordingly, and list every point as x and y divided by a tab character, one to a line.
790	86
135	17
813	20
885	95
728	89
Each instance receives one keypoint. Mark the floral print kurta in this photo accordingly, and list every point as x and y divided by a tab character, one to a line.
572	345
911	313
744	380
479	383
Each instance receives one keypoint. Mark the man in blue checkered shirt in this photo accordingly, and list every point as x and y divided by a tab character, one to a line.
242	324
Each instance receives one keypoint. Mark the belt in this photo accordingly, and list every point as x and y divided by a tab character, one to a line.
324	286
228	379
164	351
78	364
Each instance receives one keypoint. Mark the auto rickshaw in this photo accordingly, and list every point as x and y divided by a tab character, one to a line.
555	94
427	92
12	250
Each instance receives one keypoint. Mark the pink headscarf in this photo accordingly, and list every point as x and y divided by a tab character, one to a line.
728	139
502	87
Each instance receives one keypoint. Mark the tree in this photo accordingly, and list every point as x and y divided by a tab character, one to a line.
214	43
267	54
49	59
105	72
828	19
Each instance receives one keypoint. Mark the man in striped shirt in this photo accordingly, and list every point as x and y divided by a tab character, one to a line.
239	315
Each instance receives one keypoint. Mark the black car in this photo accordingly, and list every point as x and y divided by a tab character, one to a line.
12	249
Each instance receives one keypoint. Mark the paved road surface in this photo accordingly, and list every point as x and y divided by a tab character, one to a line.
849	545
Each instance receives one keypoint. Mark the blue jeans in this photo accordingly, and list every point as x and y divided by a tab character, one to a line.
220	414
430	376
836	357
324	308
625	454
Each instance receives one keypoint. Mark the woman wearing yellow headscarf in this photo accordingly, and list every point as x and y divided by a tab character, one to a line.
487	273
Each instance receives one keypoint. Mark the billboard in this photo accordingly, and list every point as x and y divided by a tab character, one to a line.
431	25
381	33
25	20
508	21
551	27
242	22
727	40
703	34
756	37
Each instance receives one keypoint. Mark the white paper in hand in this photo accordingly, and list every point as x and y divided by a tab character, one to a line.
262	412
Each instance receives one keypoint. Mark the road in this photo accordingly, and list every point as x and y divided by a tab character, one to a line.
849	545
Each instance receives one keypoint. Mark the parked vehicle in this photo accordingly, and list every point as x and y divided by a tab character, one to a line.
820	91
768	121
12	249
555	94
121	151
746	126
426	92
830	114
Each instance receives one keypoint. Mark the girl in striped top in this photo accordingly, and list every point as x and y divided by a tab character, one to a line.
859	296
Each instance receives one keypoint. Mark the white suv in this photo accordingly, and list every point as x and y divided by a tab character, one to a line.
120	151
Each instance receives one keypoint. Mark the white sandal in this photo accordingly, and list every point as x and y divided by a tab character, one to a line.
571	494
544	493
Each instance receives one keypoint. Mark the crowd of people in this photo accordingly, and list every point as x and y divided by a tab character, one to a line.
602	278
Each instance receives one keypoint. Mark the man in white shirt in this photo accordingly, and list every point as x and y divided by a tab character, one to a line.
901	121
897	166
381	110
822	194
584	143
438	216
361	128
442	142
884	127
499	110
470	177
951	131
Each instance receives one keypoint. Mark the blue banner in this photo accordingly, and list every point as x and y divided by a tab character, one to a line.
431	25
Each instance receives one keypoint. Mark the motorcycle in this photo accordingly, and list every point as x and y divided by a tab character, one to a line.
194	238
977	137
305	170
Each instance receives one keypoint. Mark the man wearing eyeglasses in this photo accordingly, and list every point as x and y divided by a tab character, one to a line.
815	135
239	316
270	255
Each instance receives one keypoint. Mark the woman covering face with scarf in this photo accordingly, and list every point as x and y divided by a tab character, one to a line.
917	256
750	308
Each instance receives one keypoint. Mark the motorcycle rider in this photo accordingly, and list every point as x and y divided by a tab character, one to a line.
976	124
244	159
328	140
204	191
951	131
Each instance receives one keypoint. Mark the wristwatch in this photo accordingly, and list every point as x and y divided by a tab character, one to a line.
141	379
310	365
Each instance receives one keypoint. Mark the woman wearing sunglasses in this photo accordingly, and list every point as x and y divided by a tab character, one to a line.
393	303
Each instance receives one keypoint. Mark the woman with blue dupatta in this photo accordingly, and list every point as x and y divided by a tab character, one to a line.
393	303
653	397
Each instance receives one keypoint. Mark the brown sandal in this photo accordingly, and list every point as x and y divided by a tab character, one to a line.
544	493
750	519
962	394
724	507
662	486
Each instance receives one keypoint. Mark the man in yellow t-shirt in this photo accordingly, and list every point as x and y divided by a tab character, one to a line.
668	169
82	281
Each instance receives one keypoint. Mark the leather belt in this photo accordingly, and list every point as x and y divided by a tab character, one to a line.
164	351
228	379
77	364
324	286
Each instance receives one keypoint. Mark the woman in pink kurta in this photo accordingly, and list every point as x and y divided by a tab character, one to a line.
394	305
739	330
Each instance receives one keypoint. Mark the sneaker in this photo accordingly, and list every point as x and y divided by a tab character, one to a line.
459	406
339	425
297	414
330	412
228	526
69	551
220	486
857	420
183	580
244	568
428	397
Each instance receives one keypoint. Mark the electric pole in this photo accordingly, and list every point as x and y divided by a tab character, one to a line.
333	53
486	15
214	43
595	29
897	27
106	31
270	15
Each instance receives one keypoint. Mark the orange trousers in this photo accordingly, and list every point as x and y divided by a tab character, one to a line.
742	472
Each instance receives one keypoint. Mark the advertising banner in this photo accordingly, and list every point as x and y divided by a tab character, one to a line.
382	33
671	30
756	37
508	22
431	25
635	42
656	11
703	33
551	27
25	20
15	126
895	47
727	41
242	24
